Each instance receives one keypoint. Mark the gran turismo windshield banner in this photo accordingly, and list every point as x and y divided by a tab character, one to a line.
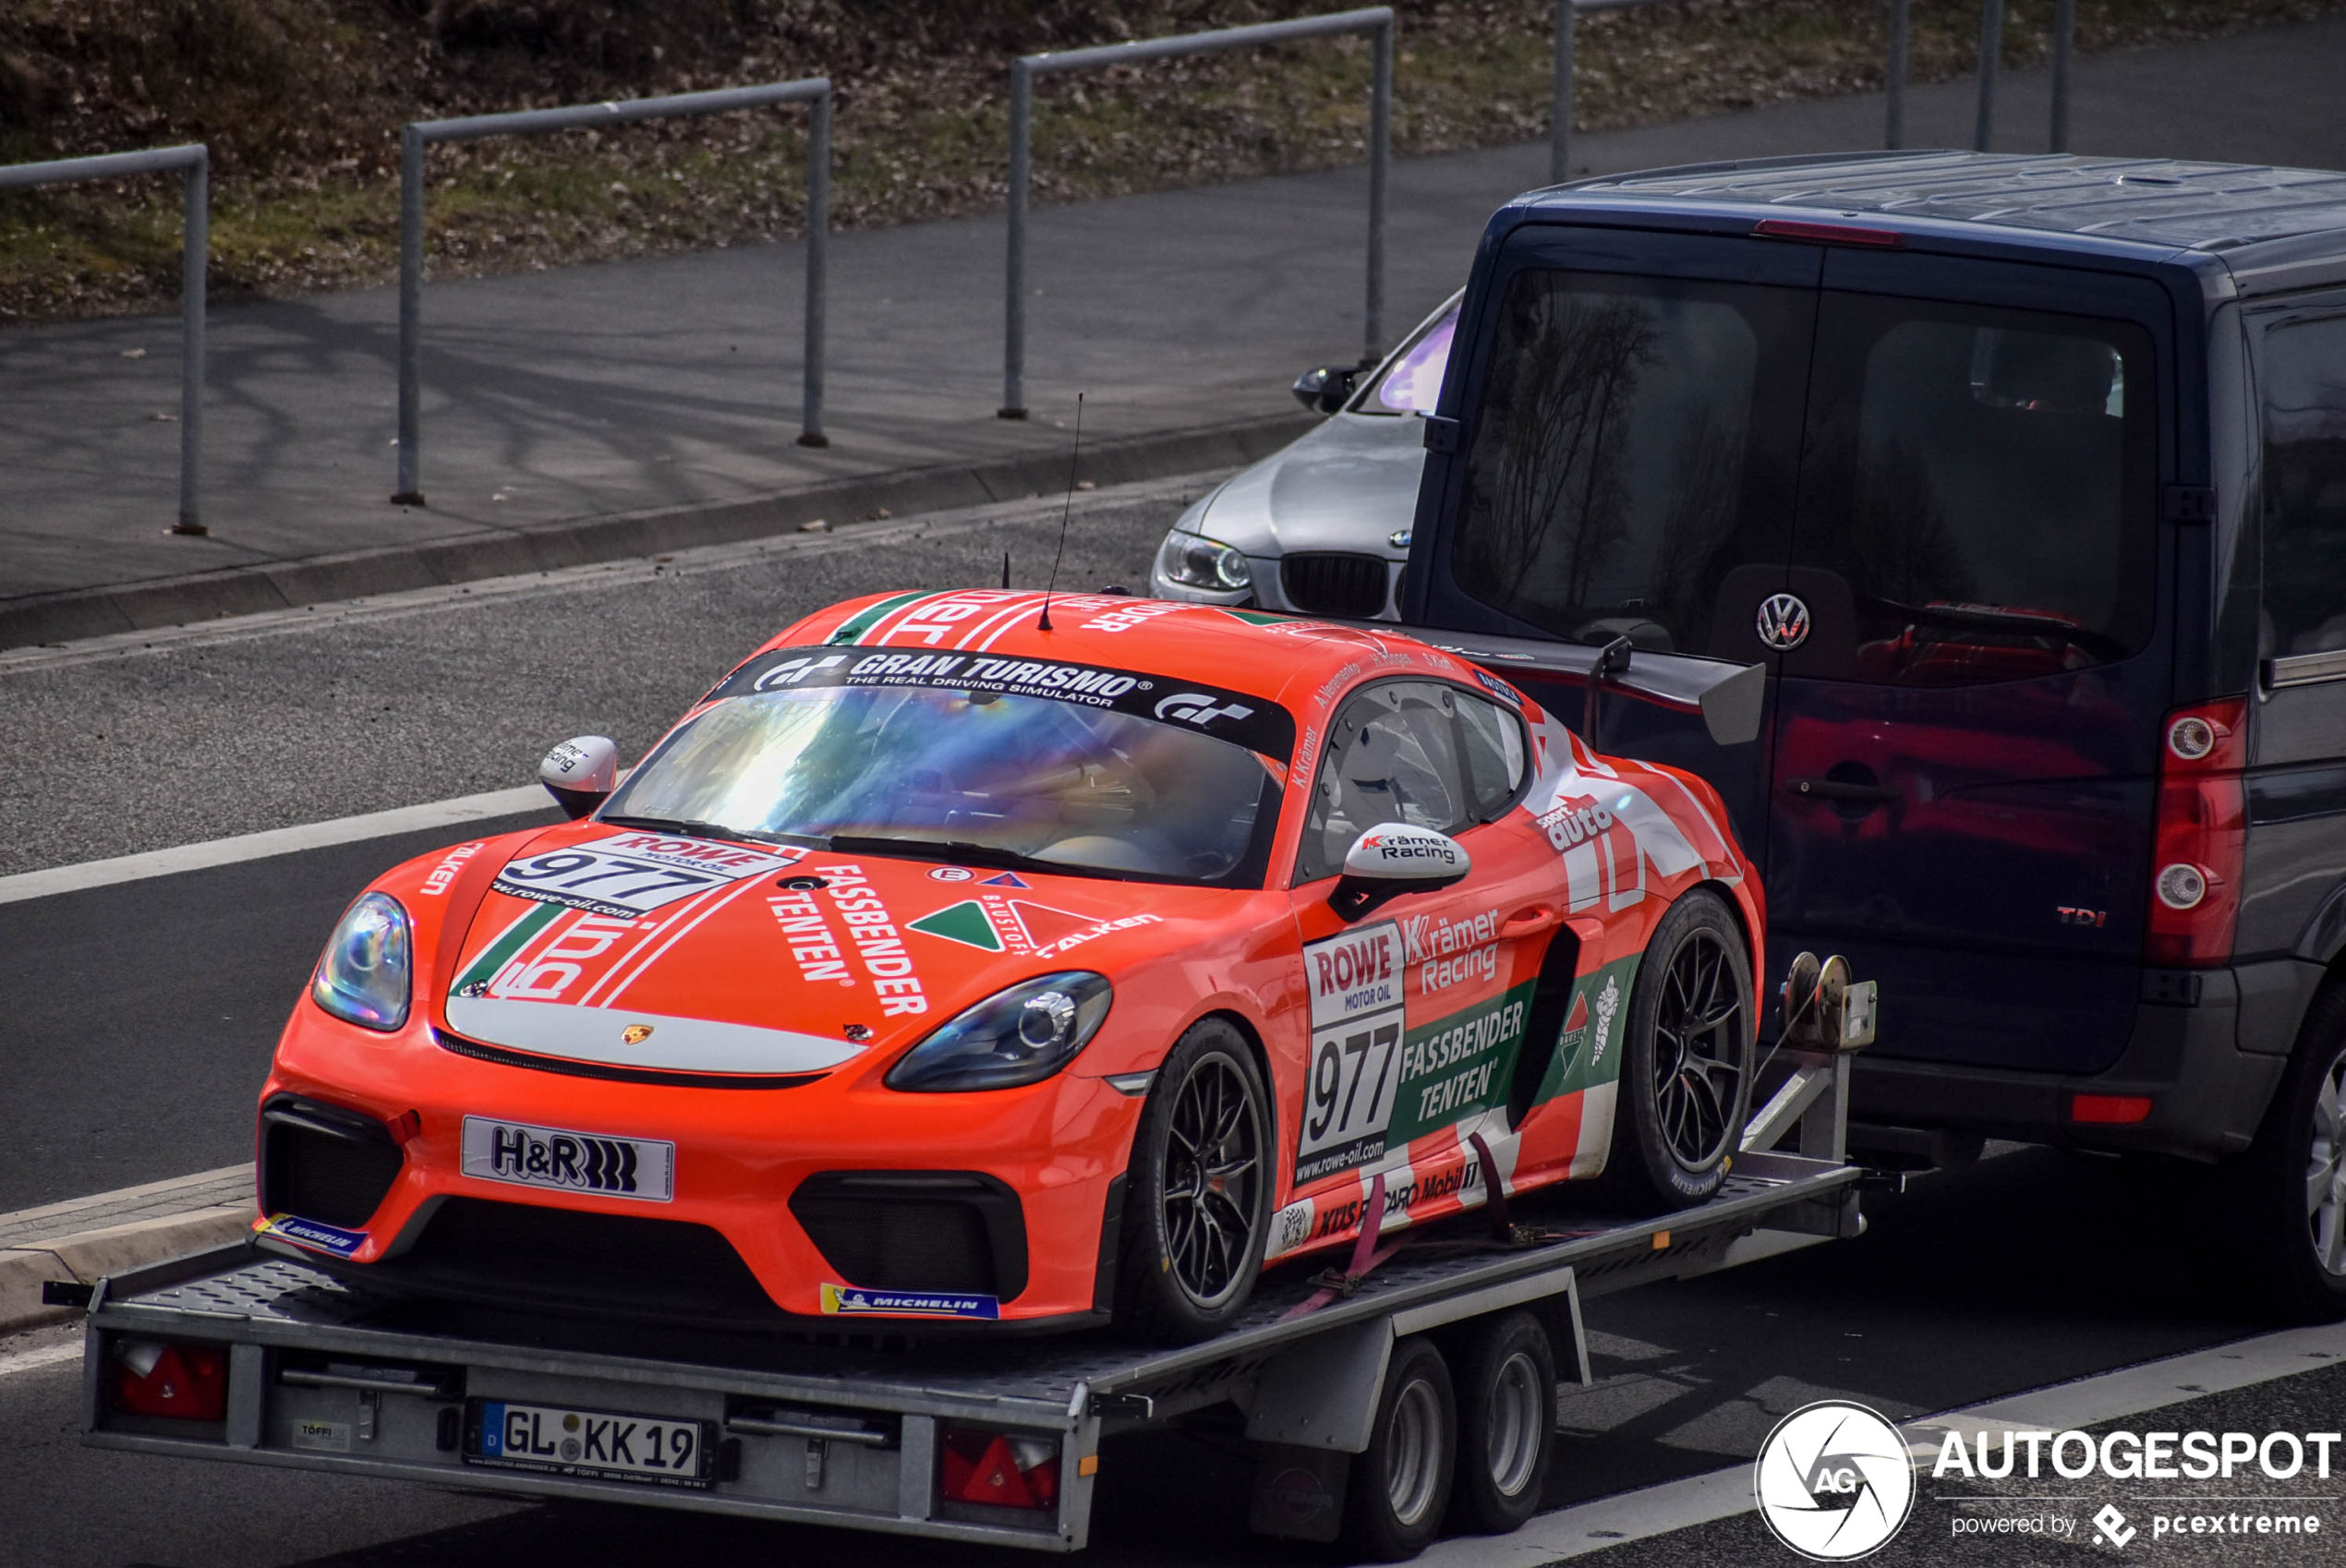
1256	723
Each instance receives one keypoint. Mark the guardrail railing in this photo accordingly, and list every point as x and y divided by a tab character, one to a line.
195	248
1991	34
816	91
1376	22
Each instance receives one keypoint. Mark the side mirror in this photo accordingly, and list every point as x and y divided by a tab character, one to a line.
1326	389
580	774
1392	858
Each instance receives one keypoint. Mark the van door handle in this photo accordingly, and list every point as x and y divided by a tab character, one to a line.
1839	790
1525	922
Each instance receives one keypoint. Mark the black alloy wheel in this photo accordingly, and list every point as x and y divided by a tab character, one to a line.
1698	1058
1686	1050
1198	1196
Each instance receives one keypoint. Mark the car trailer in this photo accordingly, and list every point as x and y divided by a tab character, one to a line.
240	1355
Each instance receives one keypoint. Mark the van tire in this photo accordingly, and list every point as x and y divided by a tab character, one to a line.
2303	1138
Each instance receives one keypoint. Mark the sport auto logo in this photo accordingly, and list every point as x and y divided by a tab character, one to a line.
1833	1481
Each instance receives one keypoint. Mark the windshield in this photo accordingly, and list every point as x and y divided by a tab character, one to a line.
992	775
1412	383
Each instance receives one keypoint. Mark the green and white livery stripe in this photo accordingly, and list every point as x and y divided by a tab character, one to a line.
512	940
864	621
1589	1051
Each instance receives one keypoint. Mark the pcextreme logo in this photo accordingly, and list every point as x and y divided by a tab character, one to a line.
1833	1481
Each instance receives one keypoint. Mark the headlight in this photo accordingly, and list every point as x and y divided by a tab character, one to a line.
1018	1036
363	977
1195	562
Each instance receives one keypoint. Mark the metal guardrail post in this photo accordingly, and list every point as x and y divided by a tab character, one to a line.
411	314
419	134
194	161
1893	130
1376	20
2064	53
1014	266
1560	94
1991	50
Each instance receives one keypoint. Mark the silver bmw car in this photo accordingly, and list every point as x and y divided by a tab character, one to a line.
1320	526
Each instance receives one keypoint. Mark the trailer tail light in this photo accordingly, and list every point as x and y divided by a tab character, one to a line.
1000	1469
187	1382
2200	839
2110	1110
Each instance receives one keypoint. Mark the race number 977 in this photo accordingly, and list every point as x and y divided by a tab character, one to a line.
1351	1093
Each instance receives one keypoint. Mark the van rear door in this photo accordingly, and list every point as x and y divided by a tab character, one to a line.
1971	667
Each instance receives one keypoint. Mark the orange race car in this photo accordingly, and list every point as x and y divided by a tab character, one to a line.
951	961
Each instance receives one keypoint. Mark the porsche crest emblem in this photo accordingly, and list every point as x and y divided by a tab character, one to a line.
636	1035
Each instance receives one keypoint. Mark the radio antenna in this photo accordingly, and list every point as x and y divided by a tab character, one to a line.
1044	624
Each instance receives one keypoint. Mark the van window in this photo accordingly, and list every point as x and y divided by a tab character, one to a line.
1634	445
2304	382
1982	482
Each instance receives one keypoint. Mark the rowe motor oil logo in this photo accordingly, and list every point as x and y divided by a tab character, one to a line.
1833	1481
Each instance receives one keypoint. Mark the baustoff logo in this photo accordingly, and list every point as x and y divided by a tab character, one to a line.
1833	1481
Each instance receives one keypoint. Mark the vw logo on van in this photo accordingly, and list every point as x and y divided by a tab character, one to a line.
1783	621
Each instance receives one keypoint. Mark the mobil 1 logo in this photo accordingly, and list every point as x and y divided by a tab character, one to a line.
1357	1024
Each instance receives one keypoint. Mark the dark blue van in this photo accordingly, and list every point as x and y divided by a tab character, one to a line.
2025	479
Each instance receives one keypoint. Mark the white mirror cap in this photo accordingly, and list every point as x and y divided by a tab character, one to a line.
1393	852
588	764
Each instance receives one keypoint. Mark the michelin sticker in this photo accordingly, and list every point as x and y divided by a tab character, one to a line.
316	1236
849	1300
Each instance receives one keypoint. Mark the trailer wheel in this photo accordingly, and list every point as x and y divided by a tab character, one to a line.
2292	1183
1506	1423
1685	1059
1197	1205
1394	1498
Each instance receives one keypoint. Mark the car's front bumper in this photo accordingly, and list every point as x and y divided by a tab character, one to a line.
1028	1172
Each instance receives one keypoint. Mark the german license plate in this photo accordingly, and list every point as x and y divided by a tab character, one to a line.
597	1445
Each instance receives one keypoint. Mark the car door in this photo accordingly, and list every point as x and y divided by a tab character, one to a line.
1418	1008
1971	669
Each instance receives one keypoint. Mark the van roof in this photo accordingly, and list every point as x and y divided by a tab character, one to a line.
2258	219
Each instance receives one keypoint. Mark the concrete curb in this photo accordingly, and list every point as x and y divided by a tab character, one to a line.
86	1258
81	1239
243	590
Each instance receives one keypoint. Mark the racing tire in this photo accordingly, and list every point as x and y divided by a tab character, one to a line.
1506	1393
1198	1193
1395	1494
1685	1060
2291	1188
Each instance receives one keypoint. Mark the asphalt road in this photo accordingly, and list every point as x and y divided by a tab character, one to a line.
138	1020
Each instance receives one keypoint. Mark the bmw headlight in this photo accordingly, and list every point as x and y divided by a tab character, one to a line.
363	979
1195	562
1013	1038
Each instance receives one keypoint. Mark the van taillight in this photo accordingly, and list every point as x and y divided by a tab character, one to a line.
2200	839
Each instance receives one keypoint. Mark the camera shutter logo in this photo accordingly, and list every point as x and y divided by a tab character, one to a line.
1783	621
1833	1481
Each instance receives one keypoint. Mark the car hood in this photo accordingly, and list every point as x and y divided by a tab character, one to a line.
781	963
1349	485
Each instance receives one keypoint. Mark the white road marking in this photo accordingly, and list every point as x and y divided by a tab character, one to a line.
275	841
46	1356
1722	1494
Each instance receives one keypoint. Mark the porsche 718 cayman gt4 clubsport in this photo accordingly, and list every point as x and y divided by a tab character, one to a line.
949	961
